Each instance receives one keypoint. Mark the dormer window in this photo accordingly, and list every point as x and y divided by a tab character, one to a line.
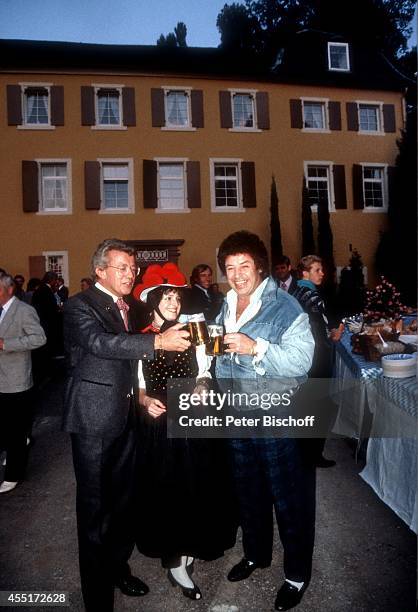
338	57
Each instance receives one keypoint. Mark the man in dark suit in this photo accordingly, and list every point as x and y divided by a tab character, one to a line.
283	275
100	415
202	299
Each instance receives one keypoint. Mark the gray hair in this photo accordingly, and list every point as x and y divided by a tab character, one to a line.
7	281
100	256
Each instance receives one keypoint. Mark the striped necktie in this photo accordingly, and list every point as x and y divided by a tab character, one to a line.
123	307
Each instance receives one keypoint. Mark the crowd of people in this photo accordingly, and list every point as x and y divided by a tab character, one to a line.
136	486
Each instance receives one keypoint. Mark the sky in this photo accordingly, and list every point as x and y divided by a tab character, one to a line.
110	21
113	21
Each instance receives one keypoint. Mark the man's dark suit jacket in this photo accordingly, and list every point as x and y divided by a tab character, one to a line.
102	365
198	301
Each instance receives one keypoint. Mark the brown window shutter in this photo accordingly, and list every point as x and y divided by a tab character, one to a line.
196	99
128	106
157	108
87	106
92	185
358	197
249	199
194	199
14	105
57	105
339	187
30	186
37	266
352	116
225	109
149	182
389	121
296	118
263	111
334	113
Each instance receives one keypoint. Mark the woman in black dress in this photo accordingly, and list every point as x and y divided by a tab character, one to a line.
186	507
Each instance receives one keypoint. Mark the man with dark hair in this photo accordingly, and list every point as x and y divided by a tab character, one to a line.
283	274
20	333
311	275
62	290
201	297
99	412
19	291
268	336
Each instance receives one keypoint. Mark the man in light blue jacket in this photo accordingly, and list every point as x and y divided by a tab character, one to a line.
20	333
268	337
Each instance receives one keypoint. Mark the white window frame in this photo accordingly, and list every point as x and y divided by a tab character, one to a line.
253	94
325	115
225	160
131	201
331	195
347	54
385	188
379	104
172	160
99	126
65	269
69	209
178	128
34	126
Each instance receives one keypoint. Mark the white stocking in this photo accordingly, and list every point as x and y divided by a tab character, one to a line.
181	575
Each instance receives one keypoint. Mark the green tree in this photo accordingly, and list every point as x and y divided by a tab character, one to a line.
265	25
275	228
396	256
174	39
238	27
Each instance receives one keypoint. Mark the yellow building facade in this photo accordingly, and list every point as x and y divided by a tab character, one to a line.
90	154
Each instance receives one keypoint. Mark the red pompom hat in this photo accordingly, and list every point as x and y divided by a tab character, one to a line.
155	276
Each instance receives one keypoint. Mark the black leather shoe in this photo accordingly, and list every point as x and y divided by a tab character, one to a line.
243	569
132	586
321	462
288	596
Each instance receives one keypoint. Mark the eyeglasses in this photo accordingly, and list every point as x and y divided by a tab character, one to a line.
124	270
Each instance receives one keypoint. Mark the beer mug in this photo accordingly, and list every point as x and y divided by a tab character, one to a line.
215	346
198	329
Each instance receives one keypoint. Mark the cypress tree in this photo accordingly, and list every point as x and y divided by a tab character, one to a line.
275	229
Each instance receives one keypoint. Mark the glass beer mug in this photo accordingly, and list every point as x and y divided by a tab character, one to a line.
215	346
198	329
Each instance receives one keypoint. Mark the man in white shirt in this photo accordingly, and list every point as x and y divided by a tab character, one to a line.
20	333
283	274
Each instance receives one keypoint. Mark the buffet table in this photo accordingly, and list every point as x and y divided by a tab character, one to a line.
383	410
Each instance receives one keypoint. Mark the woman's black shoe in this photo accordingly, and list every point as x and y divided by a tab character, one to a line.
191	593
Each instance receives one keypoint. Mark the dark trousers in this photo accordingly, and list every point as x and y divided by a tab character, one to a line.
105	474
15	420
271	473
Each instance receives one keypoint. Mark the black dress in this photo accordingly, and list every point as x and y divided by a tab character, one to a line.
186	504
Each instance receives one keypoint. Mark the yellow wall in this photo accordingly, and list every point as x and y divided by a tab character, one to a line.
279	151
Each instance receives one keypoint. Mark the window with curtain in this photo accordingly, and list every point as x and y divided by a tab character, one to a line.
177	108
171	186
338	56
369	117
36	106
243	110
108	107
115	186
54	187
314	115
373	187
318	178
226	185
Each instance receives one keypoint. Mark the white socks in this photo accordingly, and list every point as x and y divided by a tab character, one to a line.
180	573
298	585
